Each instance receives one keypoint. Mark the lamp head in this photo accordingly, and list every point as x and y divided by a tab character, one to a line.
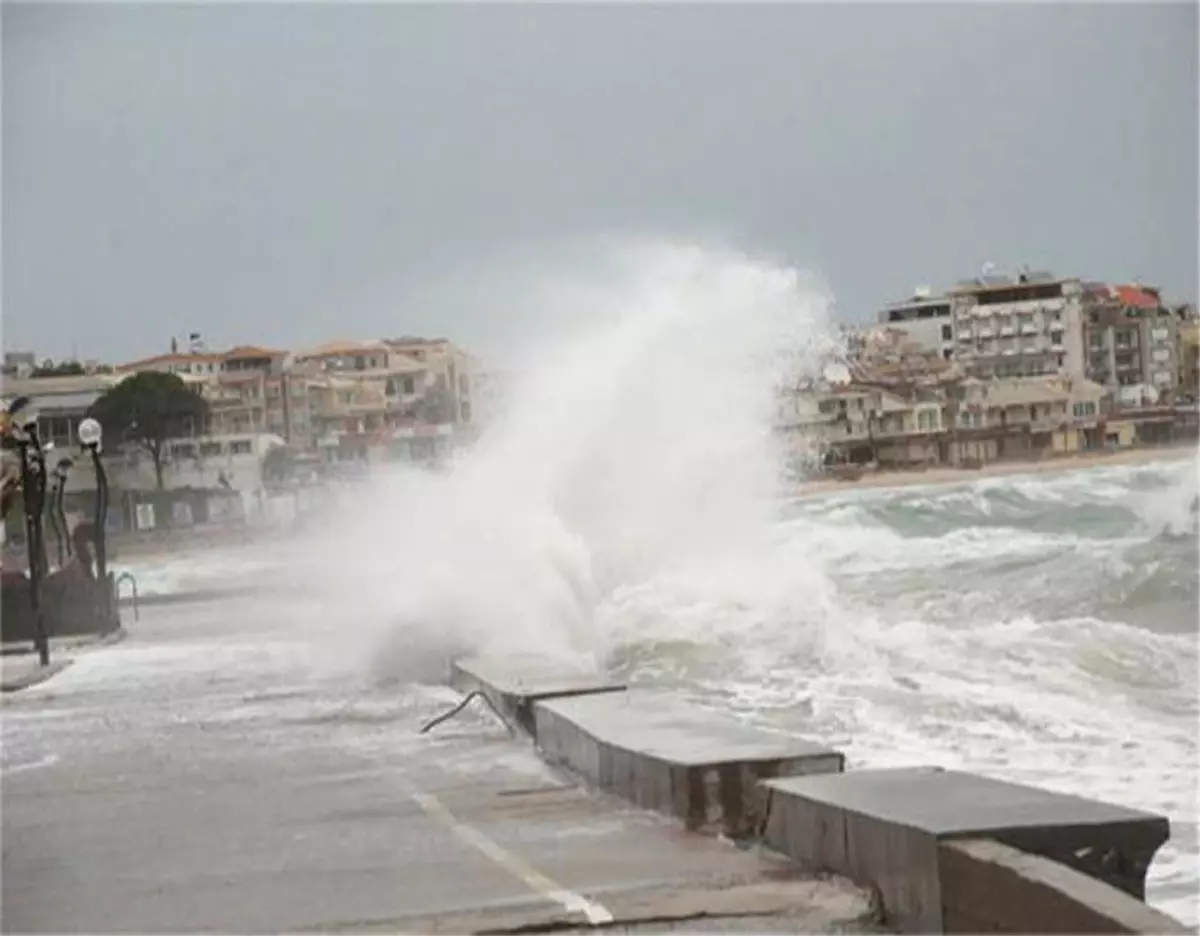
90	433
23	417
64	465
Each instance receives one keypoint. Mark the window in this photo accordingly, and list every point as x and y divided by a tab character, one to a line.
183	450
410	386
240	447
210	449
947	334
1082	410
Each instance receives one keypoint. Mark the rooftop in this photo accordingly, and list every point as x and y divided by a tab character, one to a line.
58	386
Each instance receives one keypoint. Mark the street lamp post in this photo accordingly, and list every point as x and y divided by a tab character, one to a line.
23	416
90	436
56	509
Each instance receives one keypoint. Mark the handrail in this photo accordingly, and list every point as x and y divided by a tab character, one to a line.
474	694
132	580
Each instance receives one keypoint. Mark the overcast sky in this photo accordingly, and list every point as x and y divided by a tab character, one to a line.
283	174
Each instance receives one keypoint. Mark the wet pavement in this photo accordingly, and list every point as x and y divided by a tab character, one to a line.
227	768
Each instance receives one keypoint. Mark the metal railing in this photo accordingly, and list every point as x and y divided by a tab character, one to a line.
132	580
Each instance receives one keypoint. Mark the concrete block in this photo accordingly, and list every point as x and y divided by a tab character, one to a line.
991	887
884	828
513	683
662	755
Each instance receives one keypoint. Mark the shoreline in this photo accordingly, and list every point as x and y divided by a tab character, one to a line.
946	475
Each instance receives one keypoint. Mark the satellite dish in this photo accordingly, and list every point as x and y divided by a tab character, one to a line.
836	373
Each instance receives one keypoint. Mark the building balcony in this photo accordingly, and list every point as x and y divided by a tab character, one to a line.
1007	331
1029	328
986	333
965	334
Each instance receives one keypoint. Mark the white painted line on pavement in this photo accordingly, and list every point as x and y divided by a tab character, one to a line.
46	761
594	913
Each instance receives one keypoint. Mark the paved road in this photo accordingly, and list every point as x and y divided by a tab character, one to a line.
225	768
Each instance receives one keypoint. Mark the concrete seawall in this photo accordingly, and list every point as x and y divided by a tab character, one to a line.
945	851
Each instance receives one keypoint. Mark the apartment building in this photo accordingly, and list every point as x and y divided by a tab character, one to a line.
1024	418
359	389
403	382
249	389
862	424
1187	355
454	373
62	402
1023	326
958	423
925	319
1132	344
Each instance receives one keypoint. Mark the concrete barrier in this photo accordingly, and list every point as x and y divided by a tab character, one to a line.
675	759
988	887
946	851
514	683
885	828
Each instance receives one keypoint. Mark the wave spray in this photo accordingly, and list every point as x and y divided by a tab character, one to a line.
635	446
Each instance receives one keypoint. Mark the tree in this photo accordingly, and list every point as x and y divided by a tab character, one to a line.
62	369
149	408
278	465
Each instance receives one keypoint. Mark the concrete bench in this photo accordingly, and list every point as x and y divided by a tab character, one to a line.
885	827
674	758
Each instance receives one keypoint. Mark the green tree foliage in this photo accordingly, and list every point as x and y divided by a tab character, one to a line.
278	466
62	369
148	409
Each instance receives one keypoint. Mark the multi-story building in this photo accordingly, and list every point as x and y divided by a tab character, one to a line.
1131	342
958	423
454	375
249	390
1187	355
1030	325
1023	418
62	402
380	388
925	320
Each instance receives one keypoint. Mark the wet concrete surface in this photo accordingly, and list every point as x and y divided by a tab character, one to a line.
228	769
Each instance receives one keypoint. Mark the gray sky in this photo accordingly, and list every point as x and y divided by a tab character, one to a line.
283	174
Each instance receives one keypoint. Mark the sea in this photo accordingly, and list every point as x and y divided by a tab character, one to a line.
629	505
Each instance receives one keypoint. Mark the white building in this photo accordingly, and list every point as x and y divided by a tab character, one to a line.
207	462
926	320
1019	327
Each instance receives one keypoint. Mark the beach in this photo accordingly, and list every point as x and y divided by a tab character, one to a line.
947	475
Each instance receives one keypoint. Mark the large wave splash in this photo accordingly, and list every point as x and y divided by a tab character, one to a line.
637	448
